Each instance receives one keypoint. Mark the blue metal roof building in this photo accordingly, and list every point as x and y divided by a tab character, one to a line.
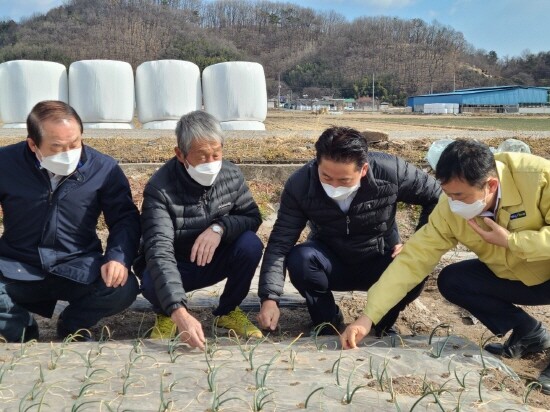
486	96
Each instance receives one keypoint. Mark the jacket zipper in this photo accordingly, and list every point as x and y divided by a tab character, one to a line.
347	224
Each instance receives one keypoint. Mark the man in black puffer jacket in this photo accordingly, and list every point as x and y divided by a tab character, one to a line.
199	222
349	197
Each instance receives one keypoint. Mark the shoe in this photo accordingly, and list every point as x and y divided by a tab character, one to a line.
237	321
164	328
334	328
544	381
388	331
80	335
518	346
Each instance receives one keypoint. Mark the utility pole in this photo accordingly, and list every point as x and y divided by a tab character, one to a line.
373	92
279	94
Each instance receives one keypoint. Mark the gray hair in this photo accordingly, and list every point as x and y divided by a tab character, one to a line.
195	126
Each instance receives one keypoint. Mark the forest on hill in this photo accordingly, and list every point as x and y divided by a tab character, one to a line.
309	52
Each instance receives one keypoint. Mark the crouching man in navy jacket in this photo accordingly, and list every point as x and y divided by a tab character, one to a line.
52	192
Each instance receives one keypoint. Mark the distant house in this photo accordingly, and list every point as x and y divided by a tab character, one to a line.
501	99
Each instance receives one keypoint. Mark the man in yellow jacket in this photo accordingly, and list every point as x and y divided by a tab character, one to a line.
499	207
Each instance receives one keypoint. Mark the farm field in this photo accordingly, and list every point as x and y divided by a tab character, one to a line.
292	142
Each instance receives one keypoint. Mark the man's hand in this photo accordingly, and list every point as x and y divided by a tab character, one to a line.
397	250
498	235
114	274
355	332
205	246
269	315
190	329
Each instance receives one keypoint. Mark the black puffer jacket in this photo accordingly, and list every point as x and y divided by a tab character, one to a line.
369	227
176	210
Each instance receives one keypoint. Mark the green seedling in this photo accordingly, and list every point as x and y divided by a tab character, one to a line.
439	348
435	394
318	330
529	388
311	394
414	325
462	382
246	351
164	405
76	406
260	379
380	376
481	375
292	359
173	345
217	402
336	365
30	396
211	377
445	326
210	351
261	398
105	335
482	345
348	396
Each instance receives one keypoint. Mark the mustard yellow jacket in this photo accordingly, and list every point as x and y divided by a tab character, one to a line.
524	209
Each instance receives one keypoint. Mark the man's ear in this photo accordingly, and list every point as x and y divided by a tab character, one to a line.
493	184
179	154
364	170
31	144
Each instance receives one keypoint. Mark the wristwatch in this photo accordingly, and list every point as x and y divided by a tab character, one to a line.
217	229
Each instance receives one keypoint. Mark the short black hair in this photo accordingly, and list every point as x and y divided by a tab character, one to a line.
342	144
467	160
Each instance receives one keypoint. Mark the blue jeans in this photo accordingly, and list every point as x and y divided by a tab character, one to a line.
315	271
237	262
471	285
87	303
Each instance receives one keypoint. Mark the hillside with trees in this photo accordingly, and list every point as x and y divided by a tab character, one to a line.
314	53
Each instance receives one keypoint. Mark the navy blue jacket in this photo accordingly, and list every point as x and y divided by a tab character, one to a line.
54	232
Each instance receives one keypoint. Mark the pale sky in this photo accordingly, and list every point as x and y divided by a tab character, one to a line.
508	27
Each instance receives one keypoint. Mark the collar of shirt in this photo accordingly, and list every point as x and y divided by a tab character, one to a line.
493	213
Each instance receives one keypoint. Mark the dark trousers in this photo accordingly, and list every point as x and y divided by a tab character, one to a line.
472	285
87	303
237	262
315	271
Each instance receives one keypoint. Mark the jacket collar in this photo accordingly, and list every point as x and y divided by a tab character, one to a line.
510	195
368	182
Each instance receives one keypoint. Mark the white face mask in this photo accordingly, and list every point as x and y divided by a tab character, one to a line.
467	210
340	192
63	163
205	173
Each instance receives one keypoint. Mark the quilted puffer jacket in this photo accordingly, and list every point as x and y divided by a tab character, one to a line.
176	210
366	230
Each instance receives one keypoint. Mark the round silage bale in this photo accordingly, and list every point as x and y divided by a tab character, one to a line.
235	91
166	90
102	92
242	125
23	83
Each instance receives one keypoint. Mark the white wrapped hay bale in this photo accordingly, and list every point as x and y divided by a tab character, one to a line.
23	83
235	91
242	125
166	90
102	92
161	125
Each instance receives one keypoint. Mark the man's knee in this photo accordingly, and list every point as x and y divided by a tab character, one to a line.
249	247
449	282
119	298
304	268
